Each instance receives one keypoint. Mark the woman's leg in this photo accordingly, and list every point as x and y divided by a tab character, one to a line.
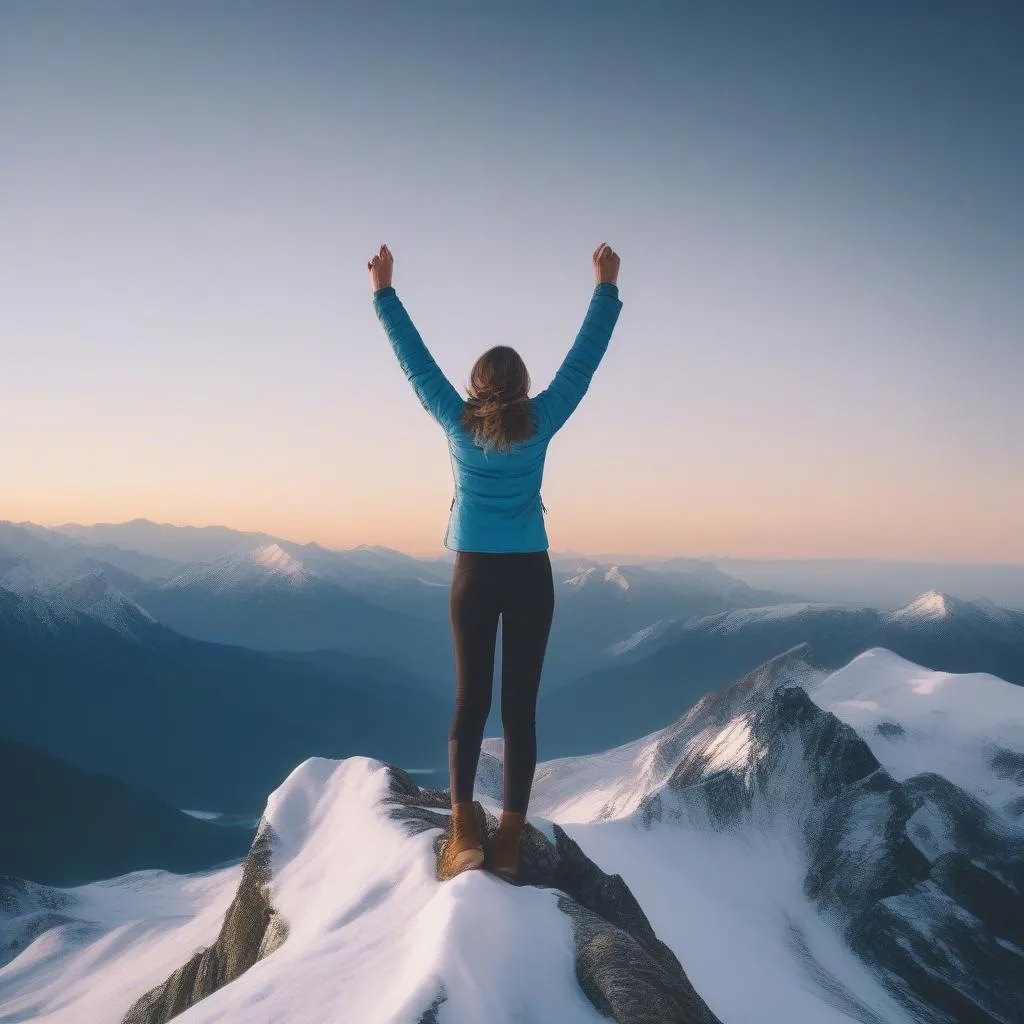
527	611
474	609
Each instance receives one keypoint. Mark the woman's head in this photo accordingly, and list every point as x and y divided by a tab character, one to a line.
497	411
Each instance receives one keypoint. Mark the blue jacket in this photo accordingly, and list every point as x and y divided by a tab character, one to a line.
497	504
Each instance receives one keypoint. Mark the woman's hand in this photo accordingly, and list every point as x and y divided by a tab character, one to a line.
606	264
381	267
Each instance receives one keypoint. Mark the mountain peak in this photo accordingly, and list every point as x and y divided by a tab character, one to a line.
930	606
277	563
309	875
273	556
614	576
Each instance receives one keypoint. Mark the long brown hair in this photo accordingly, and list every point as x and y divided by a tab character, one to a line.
497	411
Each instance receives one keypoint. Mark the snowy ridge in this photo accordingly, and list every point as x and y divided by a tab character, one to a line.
928	607
35	615
732	621
797	869
968	727
596	574
760	790
267	564
640	637
95	596
338	915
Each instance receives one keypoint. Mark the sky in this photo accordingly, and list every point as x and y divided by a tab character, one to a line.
818	208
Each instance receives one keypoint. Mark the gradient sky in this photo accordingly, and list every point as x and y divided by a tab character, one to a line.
818	207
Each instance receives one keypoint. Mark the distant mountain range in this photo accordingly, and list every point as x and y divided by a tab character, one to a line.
201	725
266	593
202	678
665	668
877	583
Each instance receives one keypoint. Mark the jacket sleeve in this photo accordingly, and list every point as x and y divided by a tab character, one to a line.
558	401
433	389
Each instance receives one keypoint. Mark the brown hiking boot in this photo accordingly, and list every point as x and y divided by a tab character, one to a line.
461	848
504	860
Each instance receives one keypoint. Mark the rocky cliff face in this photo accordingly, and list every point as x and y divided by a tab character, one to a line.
921	879
252	929
622	967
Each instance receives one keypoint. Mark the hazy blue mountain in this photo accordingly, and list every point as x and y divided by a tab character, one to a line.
880	584
202	725
366	601
64	826
876	583
267	599
181	544
35	556
669	666
598	604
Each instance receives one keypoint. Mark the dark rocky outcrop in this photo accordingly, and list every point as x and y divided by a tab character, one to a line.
252	929
923	883
624	969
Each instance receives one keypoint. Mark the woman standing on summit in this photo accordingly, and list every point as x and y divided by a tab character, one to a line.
497	440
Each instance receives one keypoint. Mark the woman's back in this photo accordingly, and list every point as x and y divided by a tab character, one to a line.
497	505
502	572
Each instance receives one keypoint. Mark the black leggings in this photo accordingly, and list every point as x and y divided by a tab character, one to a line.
518	587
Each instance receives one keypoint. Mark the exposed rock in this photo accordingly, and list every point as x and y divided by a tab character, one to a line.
625	970
917	876
429	1015
1008	764
890	729
252	929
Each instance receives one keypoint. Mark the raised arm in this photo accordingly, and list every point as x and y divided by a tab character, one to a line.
558	401
433	389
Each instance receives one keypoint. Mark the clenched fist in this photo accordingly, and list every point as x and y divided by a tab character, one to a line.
381	267
606	264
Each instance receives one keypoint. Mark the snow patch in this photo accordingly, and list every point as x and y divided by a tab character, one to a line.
930	607
949	723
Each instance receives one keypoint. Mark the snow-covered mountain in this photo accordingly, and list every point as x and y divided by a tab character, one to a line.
94	595
337	915
878	583
806	845
259	591
664	667
35	558
279	597
841	830
267	564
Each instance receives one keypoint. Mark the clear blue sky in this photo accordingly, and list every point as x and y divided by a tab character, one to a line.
818	208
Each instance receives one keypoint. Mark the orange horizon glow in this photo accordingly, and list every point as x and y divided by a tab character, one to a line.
714	537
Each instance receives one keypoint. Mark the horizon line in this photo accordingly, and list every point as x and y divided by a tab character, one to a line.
613	556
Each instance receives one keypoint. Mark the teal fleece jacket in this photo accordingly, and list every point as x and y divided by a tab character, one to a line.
497	504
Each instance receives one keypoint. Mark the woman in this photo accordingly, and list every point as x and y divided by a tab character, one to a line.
497	440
